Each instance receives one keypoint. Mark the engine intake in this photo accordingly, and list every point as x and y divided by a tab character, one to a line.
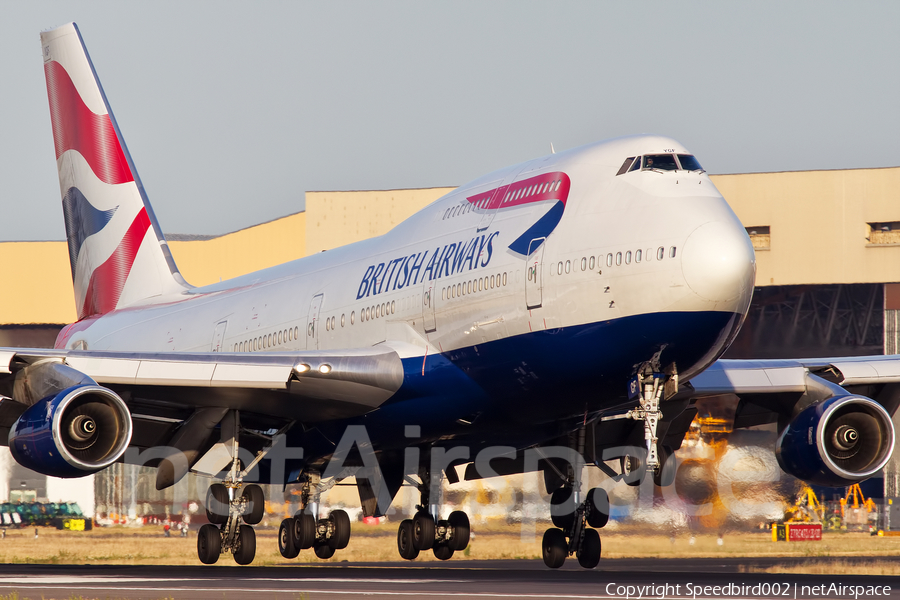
78	431
839	441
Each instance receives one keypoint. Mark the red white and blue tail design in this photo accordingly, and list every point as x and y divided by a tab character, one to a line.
118	254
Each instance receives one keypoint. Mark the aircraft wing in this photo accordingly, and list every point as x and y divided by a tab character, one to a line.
307	386
774	390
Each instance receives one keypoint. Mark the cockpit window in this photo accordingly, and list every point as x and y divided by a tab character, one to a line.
637	165
660	162
689	163
625	165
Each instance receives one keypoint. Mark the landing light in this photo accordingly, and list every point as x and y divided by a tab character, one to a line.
325	369
303	368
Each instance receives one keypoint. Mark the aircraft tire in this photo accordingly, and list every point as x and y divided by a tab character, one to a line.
287	544
460	530
633	469
323	550
554	548
405	540
246	551
209	544
598	501
304	531
442	551
423	531
217	504
667	468
562	508
257	504
341	536
589	556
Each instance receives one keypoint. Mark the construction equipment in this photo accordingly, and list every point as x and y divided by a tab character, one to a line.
807	508
856	508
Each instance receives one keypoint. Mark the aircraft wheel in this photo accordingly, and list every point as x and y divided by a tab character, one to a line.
341	536
246	545
304	531
257	501
459	530
405	540
562	508
589	556
209	544
287	544
667	467
554	548
442	551
423	531
217	504
632	468
323	551
598	502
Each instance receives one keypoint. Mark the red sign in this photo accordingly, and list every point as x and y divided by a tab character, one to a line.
804	532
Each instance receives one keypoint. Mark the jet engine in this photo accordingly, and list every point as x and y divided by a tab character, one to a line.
836	442
75	432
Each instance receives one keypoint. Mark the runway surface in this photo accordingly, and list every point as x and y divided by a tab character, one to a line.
617	578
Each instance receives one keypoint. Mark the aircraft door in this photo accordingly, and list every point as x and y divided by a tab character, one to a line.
312	323
534	268
219	336
428	302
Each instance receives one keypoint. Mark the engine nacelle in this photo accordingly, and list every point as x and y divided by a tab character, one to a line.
839	441
76	432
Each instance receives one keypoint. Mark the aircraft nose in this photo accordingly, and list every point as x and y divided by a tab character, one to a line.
719	263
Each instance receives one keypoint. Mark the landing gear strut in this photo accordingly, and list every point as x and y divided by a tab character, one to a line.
306	530
426	531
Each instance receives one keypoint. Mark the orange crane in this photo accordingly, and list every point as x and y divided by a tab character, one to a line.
854	494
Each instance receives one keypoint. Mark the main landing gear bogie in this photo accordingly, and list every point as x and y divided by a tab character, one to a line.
304	530
226	508
576	528
443	538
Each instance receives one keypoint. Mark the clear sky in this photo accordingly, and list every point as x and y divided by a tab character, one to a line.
232	110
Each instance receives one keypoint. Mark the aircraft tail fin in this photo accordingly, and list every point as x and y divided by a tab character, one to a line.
117	251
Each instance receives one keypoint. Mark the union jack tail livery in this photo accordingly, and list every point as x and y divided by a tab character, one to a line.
118	254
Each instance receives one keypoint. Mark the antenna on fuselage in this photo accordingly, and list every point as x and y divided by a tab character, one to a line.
552	150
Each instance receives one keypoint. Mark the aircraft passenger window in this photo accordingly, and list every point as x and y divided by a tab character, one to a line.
444	294
343	319
480	283
625	165
583	263
378	312
609	260
661	253
628	257
568	265
559	269
637	164
672	252
352	317
269	341
637	256
504	279
296	333
660	162
253	346
393	306
327	324
689	163
592	264
618	259
558	183
279	338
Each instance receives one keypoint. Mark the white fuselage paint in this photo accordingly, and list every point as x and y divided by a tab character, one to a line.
713	270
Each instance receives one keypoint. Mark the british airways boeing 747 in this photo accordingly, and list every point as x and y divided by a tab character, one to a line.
570	308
